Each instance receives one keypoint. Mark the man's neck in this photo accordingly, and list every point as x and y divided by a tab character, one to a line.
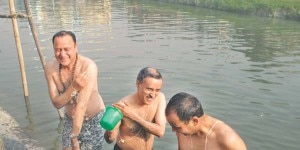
204	125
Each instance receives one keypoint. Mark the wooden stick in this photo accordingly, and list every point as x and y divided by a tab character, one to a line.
18	15
19	48
32	27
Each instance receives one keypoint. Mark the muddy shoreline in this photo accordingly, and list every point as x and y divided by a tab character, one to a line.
11	137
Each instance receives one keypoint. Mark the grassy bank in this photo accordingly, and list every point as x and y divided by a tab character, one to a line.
285	9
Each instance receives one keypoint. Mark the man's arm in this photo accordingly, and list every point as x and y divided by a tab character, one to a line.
110	136
158	127
235	143
57	100
230	140
90	77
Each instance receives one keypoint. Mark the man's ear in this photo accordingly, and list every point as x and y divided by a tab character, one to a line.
137	82
195	120
75	46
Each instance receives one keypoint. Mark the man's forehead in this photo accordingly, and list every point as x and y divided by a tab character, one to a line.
173	124
151	80
66	39
173	118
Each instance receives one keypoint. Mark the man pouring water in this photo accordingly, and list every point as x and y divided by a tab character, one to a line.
143	114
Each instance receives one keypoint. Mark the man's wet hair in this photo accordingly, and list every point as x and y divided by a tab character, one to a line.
63	33
148	72
185	105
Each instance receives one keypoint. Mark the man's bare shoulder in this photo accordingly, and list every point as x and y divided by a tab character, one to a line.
51	66
223	130
161	95
228	137
87	63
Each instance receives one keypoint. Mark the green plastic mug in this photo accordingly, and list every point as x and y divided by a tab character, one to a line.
110	118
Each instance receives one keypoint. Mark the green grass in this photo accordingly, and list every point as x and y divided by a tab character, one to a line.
288	9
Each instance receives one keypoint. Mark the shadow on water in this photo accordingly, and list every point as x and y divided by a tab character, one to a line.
29	113
31	126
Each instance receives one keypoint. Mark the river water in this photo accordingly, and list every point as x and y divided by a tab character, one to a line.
245	70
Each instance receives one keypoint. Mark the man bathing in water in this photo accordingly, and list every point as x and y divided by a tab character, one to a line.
72	84
143	113
196	130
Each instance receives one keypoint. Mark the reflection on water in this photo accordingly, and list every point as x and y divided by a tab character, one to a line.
244	69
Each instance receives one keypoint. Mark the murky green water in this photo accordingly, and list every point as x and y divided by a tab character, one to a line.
245	70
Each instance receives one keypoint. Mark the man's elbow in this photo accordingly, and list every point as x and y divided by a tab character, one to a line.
56	105
161	134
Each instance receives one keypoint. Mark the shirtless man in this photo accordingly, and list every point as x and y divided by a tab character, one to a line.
196	130
72	84
143	113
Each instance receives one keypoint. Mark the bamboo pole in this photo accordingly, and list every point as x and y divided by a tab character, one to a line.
18	15
19	48
32	27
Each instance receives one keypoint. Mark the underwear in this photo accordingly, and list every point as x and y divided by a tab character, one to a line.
91	135
116	147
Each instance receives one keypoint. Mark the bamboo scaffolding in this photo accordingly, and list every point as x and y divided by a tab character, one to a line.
19	48
35	37
13	15
32	27
17	15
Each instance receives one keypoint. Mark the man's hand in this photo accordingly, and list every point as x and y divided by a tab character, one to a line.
80	81
75	144
126	110
110	136
107	135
